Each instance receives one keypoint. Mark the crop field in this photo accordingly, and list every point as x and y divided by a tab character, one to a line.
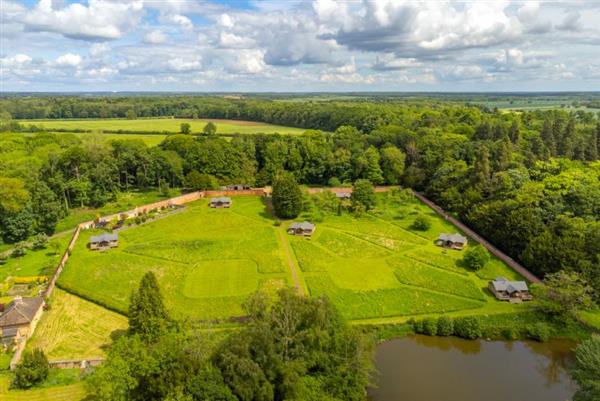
209	261
166	125
74	328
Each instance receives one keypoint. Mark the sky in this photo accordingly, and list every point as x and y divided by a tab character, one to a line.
299	46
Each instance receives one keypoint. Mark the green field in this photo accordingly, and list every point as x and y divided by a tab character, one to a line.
166	125
70	392
209	261
74	328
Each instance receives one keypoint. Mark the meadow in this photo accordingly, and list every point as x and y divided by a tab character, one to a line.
161	125
209	261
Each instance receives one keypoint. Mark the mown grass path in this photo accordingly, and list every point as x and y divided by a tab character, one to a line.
298	283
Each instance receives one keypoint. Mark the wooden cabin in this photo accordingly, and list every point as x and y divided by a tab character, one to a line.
220	202
305	229
104	241
19	319
512	291
453	241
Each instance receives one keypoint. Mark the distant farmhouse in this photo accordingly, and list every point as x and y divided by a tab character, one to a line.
305	228
235	187
19	320
343	195
453	241
513	291
220	202
104	241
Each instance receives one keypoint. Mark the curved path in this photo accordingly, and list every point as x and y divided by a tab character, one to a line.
497	252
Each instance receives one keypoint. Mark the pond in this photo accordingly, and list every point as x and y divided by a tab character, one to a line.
422	368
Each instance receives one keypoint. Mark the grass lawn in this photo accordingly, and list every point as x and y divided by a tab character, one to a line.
36	262
74	328
69	392
169	125
207	261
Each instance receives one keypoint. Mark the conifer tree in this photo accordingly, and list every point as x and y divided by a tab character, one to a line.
147	314
287	196
548	138
481	168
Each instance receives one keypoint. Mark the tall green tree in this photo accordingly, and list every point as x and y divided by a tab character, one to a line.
148	316
210	128
392	164
287	196
33	369
482	172
363	194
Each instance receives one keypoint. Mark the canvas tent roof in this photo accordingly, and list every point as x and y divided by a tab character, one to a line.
104	238
305	225
455	238
502	284
21	311
222	199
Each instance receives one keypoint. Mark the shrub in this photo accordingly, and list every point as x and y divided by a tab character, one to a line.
539	332
418	326
421	223
467	327
334	182
40	241
476	257
3	259
32	370
430	327
510	333
19	250
445	326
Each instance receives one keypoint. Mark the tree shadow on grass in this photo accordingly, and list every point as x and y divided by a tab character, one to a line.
267	212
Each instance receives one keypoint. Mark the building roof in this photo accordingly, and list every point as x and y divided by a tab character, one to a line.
21	311
305	226
222	199
343	195
106	237
502	284
455	238
10	332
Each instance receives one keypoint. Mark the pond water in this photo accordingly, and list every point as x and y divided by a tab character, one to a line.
422	368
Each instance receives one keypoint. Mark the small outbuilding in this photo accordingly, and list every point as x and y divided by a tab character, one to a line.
453	241
104	241
513	291
220	202
19	319
343	195
305	228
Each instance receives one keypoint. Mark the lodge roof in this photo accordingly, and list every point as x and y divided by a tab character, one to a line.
454	238
502	284
343	195
305	226
221	199
106	237
20	311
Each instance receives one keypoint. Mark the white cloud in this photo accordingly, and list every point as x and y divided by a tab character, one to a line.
155	37
101	19
97	49
245	62
180	20
181	64
69	60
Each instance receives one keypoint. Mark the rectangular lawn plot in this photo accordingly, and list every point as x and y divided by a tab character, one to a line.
373	226
221	278
438	257
347	246
421	275
388	302
311	258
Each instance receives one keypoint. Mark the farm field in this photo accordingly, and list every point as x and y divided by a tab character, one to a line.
74	328
148	139
168	125
209	261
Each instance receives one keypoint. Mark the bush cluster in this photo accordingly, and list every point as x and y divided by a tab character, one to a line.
465	327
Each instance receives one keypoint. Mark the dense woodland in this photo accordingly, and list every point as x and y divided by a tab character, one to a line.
529	182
